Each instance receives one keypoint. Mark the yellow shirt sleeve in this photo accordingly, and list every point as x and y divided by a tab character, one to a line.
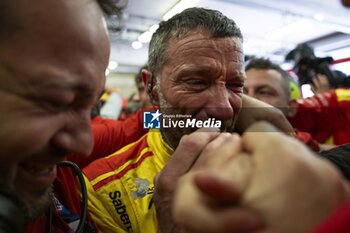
102	218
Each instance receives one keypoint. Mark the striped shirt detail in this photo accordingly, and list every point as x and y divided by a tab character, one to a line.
116	160
117	176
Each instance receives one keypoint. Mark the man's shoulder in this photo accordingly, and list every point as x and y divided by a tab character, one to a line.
116	165
117	161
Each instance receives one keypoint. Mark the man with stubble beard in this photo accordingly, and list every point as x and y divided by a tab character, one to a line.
196	68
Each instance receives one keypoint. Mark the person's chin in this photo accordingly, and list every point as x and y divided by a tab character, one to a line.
34	187
37	203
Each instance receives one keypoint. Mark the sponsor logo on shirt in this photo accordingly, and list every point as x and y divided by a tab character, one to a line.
120	209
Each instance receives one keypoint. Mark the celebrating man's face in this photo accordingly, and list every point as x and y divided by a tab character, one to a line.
203	77
53	60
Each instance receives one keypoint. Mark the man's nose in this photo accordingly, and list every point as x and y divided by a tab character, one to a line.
219	106
76	137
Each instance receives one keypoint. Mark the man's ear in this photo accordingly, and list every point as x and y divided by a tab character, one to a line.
149	82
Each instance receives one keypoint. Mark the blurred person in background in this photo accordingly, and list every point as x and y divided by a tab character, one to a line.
111	103
138	100
269	83
320	120
325	116
316	71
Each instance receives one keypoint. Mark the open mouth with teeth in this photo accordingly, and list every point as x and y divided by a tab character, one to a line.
39	170
36	175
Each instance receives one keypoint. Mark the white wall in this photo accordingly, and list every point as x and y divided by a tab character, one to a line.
123	81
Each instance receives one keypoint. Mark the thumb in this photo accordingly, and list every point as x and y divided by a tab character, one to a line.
259	135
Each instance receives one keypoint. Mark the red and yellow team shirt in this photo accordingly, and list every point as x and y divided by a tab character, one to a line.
325	116
120	186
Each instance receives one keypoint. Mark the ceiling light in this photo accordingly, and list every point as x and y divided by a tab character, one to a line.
136	44
145	37
184	4
112	65
319	17
153	28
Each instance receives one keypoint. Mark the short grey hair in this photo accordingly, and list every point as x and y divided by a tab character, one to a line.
217	24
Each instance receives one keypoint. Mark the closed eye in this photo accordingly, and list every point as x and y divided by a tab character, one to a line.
196	84
234	86
57	106
265	92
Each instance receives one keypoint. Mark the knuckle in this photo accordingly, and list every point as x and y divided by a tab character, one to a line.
163	184
192	141
278	113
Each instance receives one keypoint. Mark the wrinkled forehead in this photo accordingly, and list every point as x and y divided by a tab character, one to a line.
264	76
200	48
